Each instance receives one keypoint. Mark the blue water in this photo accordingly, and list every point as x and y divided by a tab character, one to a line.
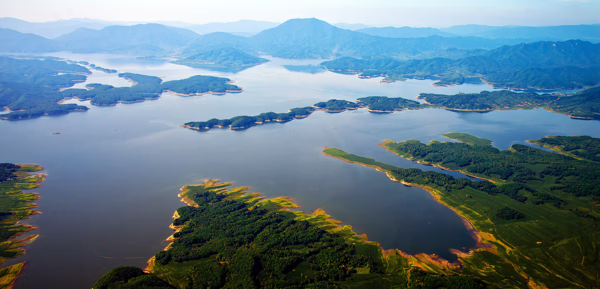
115	172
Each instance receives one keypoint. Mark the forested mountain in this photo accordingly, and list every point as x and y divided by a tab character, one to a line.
542	65
227	59
14	41
217	40
242	27
404	32
554	33
296	38
137	39
52	29
313	38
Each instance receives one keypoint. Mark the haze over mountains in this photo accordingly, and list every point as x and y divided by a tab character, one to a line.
295	38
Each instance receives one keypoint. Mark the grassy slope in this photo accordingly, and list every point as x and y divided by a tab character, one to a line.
13	200
566	257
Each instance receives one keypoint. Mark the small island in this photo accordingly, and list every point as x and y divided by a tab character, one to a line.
15	206
232	238
535	209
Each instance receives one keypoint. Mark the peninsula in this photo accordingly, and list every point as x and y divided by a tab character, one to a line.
537	212
15	206
232	238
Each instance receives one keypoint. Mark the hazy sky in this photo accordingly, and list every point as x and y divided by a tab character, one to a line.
435	13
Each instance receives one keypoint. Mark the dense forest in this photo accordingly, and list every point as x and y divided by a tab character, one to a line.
32	87
381	103
223	59
29	87
336	105
542	66
149	87
244	122
387	104
581	147
519	164
200	84
584	104
230	239
541	205
7	171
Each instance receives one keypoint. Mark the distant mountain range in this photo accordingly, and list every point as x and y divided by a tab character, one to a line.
541	65
136	39
295	38
555	33
405	32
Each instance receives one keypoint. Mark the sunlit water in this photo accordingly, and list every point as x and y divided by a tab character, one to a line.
115	172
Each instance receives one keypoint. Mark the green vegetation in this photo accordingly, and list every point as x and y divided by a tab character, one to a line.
336	105
149	87
579	147
201	84
538	213
386	104
584	104
244	122
542	65
29	87
127	277
508	213
380	103
229	238
223	59
105	70
468	139
14	207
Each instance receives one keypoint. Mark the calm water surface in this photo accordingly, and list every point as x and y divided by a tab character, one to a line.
115	172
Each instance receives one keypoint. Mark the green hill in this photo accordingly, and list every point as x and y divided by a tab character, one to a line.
541	65
226	59
136	39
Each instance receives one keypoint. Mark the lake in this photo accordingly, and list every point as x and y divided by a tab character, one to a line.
115	172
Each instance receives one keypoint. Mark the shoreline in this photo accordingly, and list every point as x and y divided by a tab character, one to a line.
477	235
204	93
420	260
436	165
14	243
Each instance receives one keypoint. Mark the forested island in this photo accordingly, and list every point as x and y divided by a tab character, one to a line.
546	65
226	59
93	66
537	212
380	103
231	238
15	206
150	87
582	105
32	87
